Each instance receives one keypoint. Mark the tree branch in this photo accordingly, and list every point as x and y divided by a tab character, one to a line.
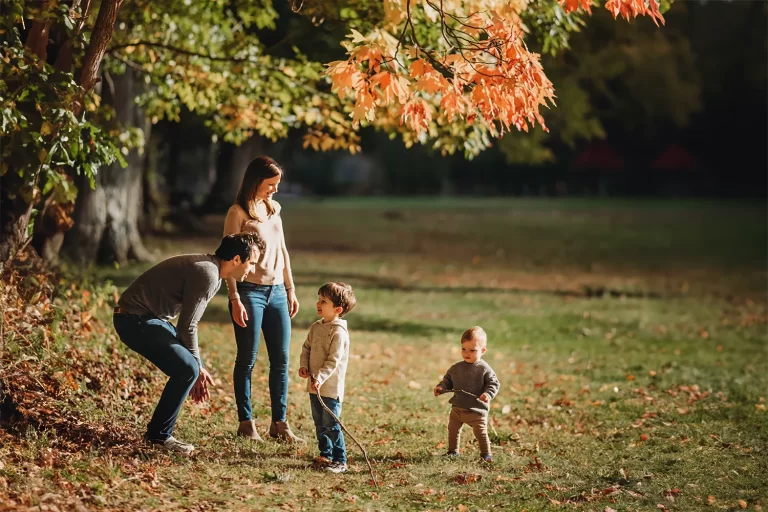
100	37
181	51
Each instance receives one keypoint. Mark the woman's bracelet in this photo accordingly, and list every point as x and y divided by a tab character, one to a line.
234	297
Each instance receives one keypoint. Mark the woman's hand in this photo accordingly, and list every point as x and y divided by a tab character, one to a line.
293	303
238	312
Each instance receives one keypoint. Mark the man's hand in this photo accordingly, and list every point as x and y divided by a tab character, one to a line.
303	373
238	312
484	398
438	390
293	303
200	391
315	386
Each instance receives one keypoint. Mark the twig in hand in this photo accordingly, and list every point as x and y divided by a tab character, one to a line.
365	454
460	391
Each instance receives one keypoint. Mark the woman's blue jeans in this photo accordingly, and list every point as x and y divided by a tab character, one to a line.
267	309
156	340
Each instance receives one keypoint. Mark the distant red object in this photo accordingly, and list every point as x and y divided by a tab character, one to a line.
674	158
600	156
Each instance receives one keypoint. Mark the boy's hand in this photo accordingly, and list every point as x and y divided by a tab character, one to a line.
484	398
314	386
303	373
438	390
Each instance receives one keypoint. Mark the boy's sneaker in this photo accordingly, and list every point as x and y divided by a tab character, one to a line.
321	463
487	457
337	467
452	453
172	445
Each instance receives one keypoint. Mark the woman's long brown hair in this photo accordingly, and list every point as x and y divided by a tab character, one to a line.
261	168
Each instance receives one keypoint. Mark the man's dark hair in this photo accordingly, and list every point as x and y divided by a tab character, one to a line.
340	295
239	244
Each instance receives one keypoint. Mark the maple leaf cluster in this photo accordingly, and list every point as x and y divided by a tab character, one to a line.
627	9
500	83
470	70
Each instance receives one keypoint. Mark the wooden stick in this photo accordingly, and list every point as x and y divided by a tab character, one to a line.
365	454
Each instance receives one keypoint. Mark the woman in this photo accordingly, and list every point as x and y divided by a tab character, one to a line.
265	301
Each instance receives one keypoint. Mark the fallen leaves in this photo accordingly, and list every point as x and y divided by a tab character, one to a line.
467	478
671	494
535	465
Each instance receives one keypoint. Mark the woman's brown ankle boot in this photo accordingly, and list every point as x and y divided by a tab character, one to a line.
282	431
248	430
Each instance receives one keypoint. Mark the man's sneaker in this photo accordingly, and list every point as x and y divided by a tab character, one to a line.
486	457
337	467
173	445
451	453
321	463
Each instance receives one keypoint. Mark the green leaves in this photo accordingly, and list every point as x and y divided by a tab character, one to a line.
41	139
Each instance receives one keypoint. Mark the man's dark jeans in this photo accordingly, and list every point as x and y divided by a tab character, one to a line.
157	341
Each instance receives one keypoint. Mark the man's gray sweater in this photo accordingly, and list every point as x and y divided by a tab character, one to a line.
473	378
180	285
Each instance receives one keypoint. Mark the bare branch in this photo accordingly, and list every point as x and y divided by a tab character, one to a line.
181	51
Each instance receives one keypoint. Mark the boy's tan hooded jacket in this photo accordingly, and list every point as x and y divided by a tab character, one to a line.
325	354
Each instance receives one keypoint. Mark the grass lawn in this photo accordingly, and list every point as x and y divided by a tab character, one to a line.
630	339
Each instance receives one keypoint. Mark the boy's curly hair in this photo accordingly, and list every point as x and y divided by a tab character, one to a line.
340	295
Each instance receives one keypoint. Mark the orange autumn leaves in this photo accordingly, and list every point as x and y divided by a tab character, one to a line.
499	83
480	72
627	9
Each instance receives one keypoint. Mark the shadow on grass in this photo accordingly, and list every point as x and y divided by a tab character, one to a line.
392	284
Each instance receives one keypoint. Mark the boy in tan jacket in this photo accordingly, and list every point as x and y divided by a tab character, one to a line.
324	359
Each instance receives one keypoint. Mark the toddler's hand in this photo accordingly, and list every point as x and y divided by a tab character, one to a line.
314	386
438	390
303	373
484	398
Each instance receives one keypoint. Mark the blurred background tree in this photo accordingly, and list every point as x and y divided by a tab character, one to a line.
170	100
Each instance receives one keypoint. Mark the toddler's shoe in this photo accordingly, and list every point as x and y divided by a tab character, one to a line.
486	457
337	467
452	453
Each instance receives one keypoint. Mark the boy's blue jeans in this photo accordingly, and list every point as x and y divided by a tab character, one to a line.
330	438
157	341
267	309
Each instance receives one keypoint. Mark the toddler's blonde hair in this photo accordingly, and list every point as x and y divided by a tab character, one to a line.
475	333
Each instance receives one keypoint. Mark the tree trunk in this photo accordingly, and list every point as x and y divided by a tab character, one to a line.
15	214
230	168
107	217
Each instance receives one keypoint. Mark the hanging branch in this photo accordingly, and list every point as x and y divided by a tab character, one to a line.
365	454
